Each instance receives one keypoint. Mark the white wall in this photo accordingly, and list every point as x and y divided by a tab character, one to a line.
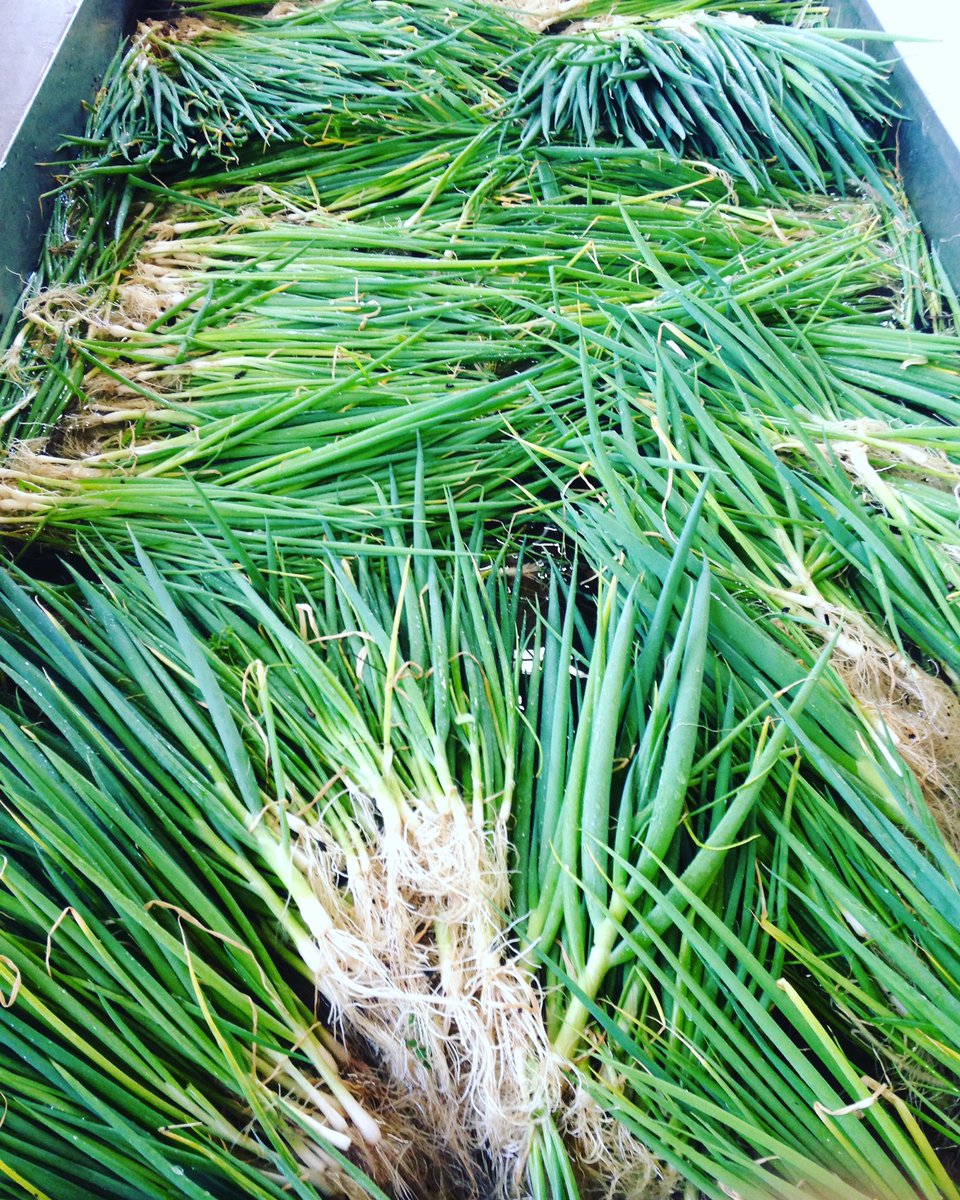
30	34
935	64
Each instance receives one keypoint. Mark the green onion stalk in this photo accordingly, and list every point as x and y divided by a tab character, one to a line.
688	907
188	91
194	91
346	761
832	498
725	87
367	853
264	355
471	812
191	1021
544	17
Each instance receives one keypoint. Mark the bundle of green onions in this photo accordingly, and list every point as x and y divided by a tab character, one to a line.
188	90
492	727
703	86
563	11
728	86
362	752
266	352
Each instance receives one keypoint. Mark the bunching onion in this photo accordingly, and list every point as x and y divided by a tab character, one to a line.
478	653
365	750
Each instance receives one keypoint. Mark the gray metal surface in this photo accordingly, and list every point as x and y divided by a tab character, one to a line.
929	158
52	57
